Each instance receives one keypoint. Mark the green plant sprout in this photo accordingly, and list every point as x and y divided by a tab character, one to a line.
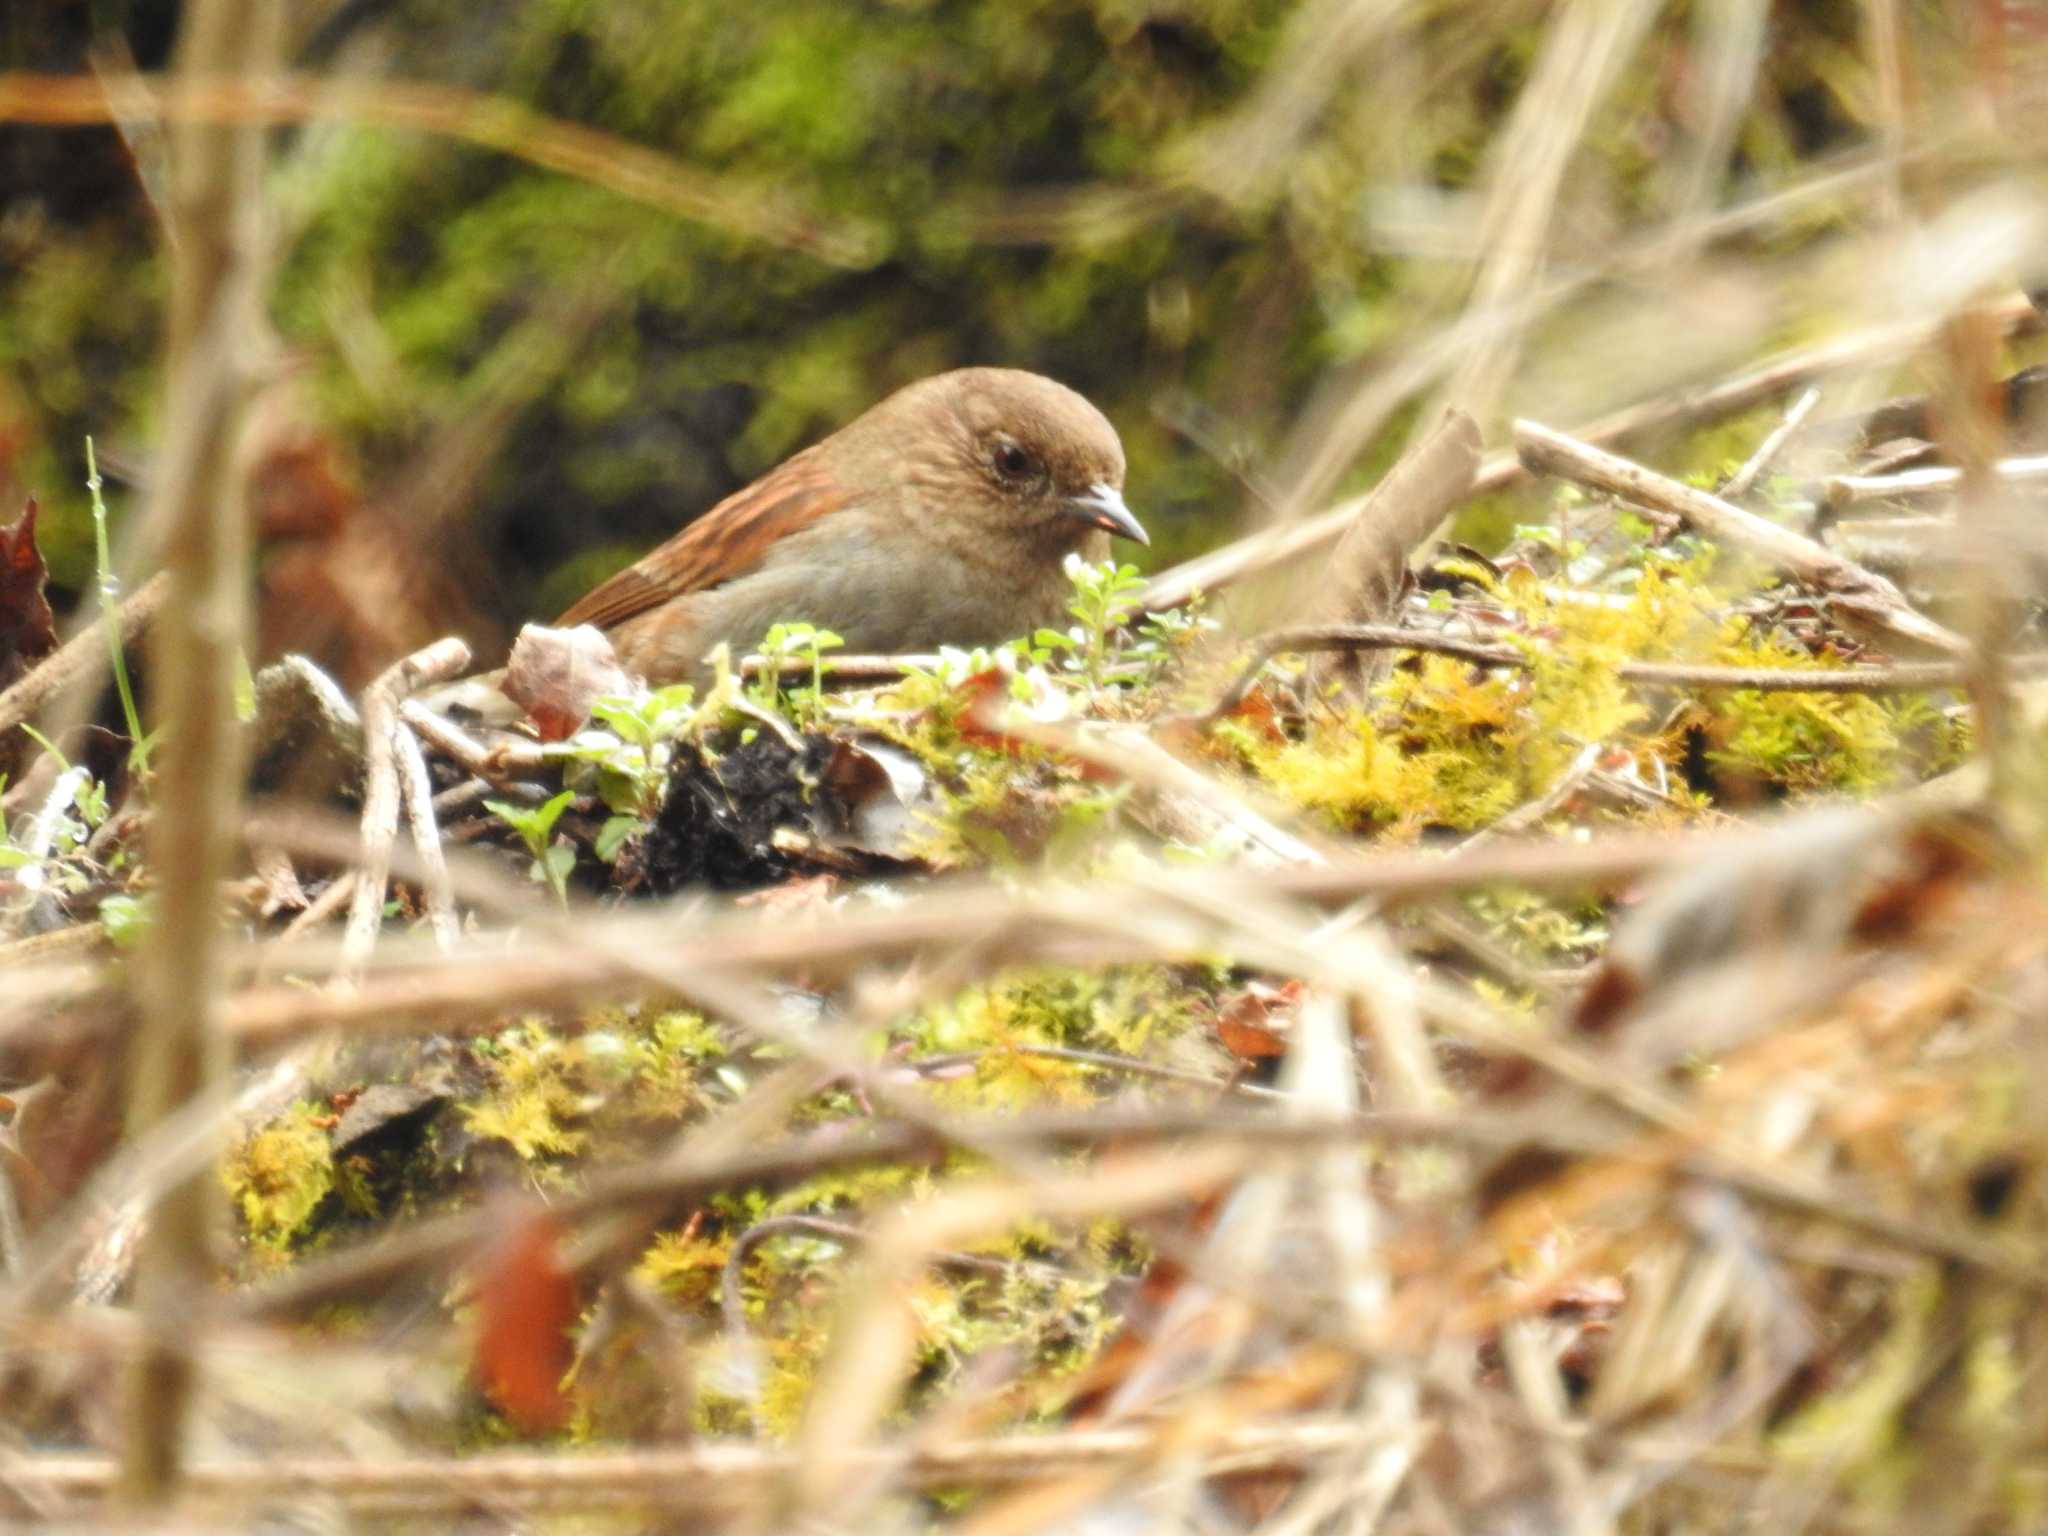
804	707
1105	599
536	826
110	618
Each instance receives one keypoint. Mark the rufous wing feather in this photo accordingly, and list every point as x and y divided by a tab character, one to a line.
727	542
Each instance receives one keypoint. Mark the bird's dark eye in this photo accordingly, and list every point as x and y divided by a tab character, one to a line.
1013	462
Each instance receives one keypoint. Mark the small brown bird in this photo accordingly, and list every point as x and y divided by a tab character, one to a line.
939	517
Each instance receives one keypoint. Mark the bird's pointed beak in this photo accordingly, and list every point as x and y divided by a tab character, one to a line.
1102	506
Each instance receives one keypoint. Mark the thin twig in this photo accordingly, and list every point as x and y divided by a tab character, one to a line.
1847	490
1354	637
197	508
500	764
1051	924
732	1296
1902	677
321	907
1744	479
442	660
1411	501
1863	593
1106	1061
417	790
769	214
1268	548
686	1178
714	1475
81	656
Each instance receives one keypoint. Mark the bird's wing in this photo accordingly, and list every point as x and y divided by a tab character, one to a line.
726	542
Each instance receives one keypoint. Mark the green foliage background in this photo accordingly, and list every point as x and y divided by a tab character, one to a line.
1171	206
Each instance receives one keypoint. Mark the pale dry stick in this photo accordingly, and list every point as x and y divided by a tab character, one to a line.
1990	530
1463	357
1414	497
1898	677
13	1236
39	948
1539	1390
1744	479
321	907
1581	56
711	1475
132	112
1903	540
2013	313
1032	925
1727	46
1774	1311
1268	548
417	791
1321	1076
1530	814
1413	500
1361	637
1888	48
1131	753
498	764
1106	1061
1348	410
1941	480
1238	156
176	1056
1036	923
439	661
1860	592
496	123
80	658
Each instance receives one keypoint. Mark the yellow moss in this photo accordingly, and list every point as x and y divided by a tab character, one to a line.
1444	743
686	1269
1349	771
668	1054
278	1175
533	1093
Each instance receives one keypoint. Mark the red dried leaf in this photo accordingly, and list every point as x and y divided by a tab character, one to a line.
526	1299
1256	710
555	675
1243	1021
28	629
982	693
980	725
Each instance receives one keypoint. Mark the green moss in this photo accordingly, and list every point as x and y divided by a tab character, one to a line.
1812	743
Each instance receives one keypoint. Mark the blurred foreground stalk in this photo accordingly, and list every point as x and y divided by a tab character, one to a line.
196	514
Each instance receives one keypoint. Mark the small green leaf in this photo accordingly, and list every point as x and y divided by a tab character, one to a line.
611	837
126	919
